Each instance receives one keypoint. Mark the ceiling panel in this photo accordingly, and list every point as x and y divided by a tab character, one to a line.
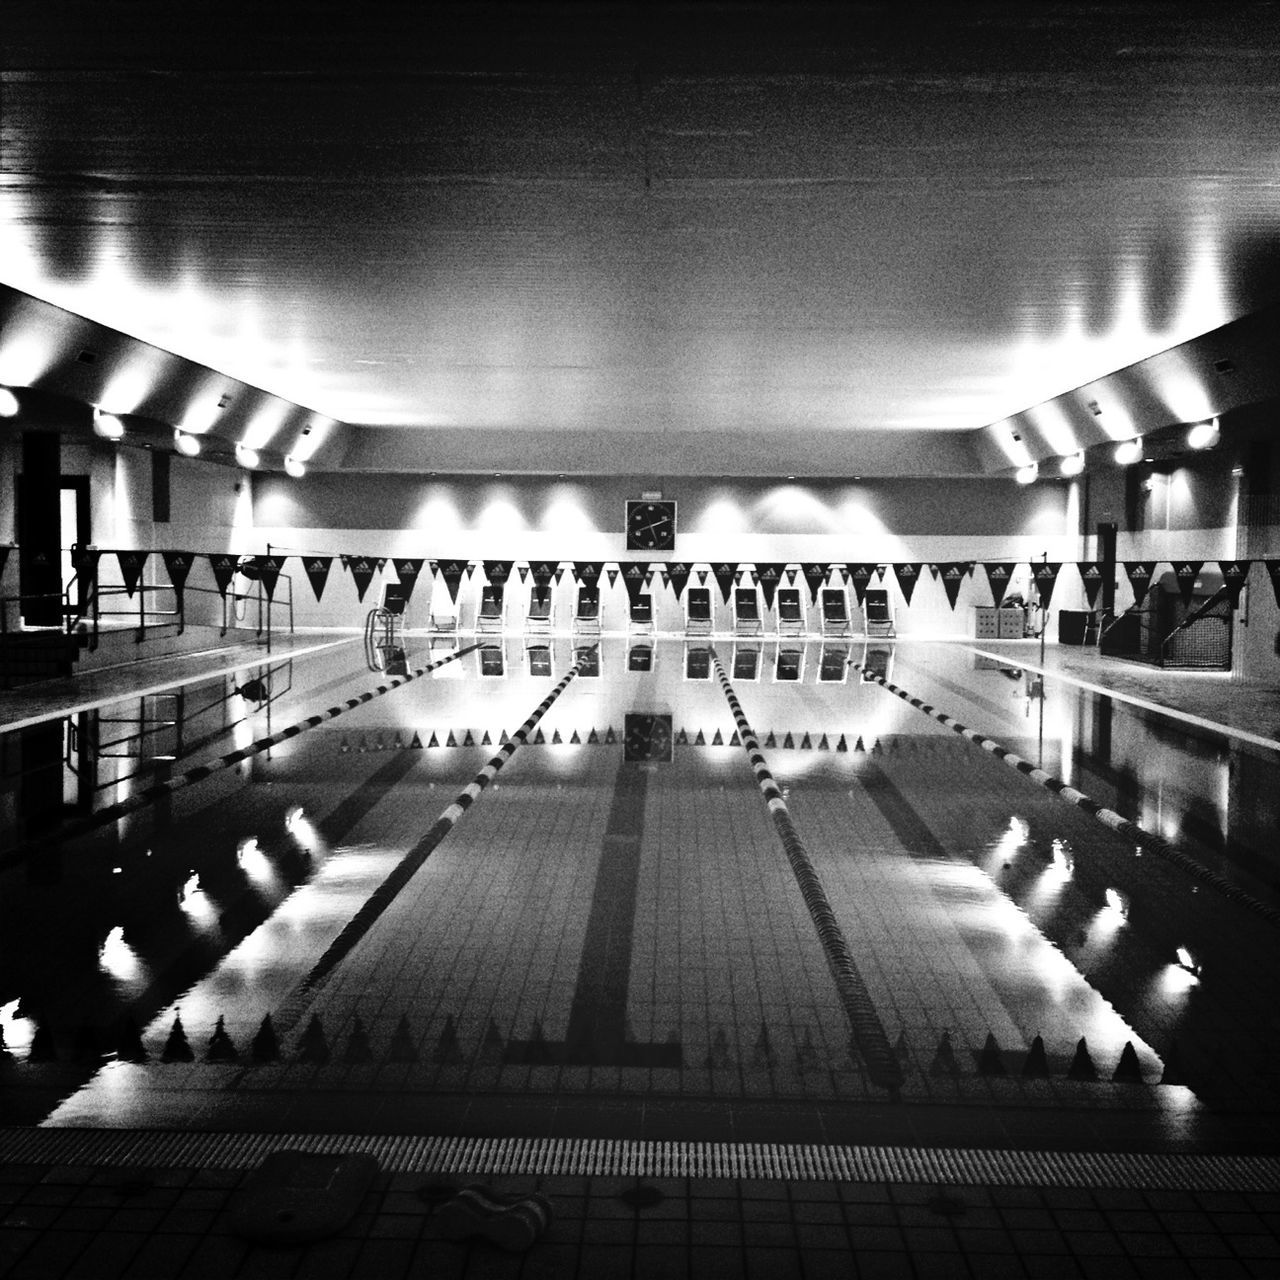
596	219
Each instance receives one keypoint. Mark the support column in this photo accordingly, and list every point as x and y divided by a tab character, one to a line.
40	529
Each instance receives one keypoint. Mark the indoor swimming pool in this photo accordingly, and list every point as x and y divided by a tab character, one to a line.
537	888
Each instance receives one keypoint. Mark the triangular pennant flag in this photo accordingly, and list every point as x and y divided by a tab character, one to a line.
1091	576
559	573
382	563
860	576
769	575
471	568
999	575
498	571
612	575
131	566
1273	572
317	570
224	569
724	575
1234	575
451	571
407	570
952	573
933	572
1045	575
362	570
268	569
1140	574
542	570
523	571
84	560
587	572
908	574
703	574
678	577
815	575
1186	572
633	577
178	564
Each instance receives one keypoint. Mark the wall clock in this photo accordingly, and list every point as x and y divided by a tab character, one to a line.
651	524
647	737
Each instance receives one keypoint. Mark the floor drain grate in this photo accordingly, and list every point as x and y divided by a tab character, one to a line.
604	1157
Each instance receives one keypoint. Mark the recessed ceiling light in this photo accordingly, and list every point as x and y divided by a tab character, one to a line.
294	468
186	444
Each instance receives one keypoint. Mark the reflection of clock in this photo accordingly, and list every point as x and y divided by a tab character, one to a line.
651	524
647	737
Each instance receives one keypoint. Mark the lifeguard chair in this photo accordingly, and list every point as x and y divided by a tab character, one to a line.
746	612
586	610
538	620
878	613
835	612
490	619
697	611
791	619
383	628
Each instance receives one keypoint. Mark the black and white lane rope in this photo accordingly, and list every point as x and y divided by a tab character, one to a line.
140	799
383	896
1148	840
869	1035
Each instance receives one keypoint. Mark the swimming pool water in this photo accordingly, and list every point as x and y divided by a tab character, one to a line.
603	945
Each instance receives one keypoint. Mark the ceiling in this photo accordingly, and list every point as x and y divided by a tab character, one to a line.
642	238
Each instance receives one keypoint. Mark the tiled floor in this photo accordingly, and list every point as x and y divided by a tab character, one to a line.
653	908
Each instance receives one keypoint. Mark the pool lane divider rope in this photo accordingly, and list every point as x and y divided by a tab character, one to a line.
1108	817
400	875
147	795
869	1035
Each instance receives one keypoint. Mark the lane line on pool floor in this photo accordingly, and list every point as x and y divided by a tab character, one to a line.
1108	817
400	875
91	822
869	1034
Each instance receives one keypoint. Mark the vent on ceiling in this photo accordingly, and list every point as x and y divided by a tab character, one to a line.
1224	366
87	356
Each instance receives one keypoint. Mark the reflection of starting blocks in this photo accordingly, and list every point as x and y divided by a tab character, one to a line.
294	1196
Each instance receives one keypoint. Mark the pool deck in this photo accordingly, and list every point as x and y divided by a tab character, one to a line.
100	1204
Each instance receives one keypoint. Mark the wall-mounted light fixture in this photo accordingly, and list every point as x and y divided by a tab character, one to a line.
8	403
1129	451
294	468
1072	464
1027	474
247	457
108	425
187	445
1204	435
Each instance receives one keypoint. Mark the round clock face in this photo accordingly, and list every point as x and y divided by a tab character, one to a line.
651	525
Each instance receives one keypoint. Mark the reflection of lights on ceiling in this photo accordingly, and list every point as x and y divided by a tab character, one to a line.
1176	981
1204	435
308	442
1128	452
18	1032
8	403
1188	962
294	468
199	418
195	902
1116	901
302	830
1051	422
264	425
187	445
1027	474
247	457
127	389
1072	464
108	426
